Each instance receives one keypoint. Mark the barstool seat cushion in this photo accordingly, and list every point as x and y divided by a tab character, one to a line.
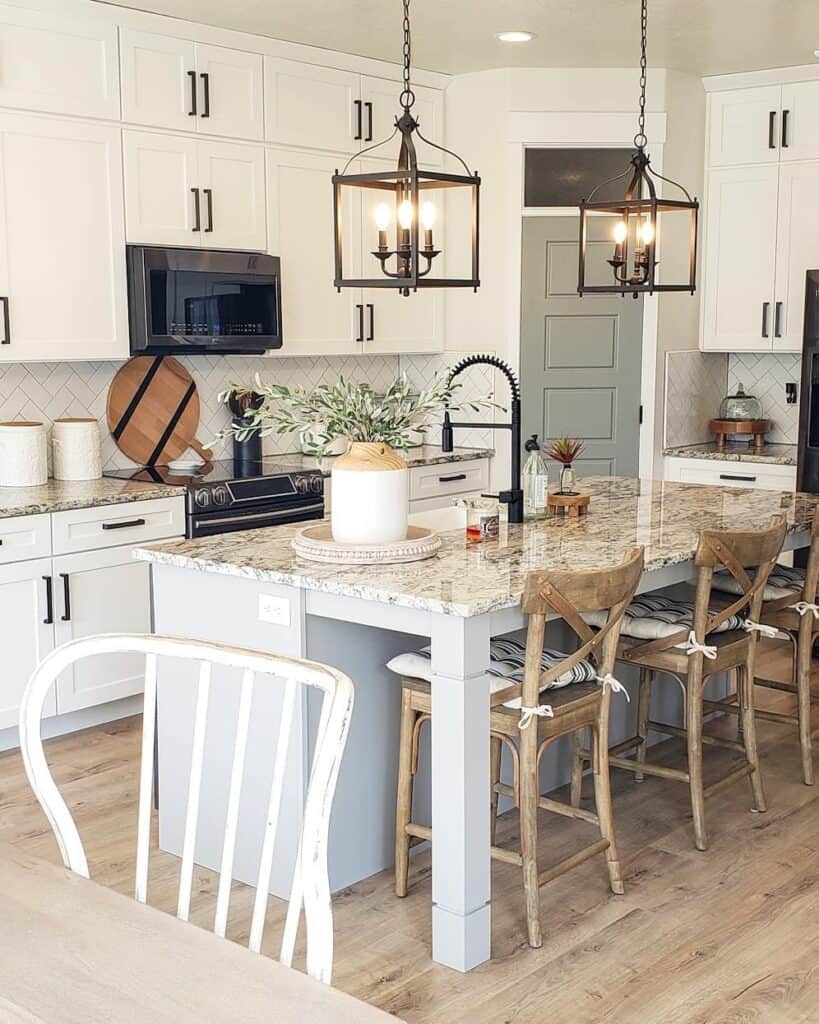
506	661
784	581
651	616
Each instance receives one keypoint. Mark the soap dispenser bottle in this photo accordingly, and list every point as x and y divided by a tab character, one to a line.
535	479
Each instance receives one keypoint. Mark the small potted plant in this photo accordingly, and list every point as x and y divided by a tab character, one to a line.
565	450
369	492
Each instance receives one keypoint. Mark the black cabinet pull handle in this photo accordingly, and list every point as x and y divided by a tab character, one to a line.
123	526
732	476
778	320
359	119
369	107
766	306
209	200
192	77
785	116
197	216
6	323
772	130
451	478
49	619
66	617
371	310
360	309
205	76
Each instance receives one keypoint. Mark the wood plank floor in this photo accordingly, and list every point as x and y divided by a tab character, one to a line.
730	936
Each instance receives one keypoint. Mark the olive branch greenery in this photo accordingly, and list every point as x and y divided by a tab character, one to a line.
344	409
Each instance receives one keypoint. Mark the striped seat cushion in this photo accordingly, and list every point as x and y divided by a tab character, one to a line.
506	661
651	616
784	581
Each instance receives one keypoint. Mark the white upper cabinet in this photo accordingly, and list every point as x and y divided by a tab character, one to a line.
62	240
799	135
64	65
740	255
313	107
797	250
745	126
193	192
380	101
174	83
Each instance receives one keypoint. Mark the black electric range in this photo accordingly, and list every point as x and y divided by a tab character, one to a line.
223	496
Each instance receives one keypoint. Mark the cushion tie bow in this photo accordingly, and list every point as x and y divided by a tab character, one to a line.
692	646
803	607
613	684
527	715
760	627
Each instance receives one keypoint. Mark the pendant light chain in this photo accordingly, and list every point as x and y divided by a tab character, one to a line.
407	97
640	139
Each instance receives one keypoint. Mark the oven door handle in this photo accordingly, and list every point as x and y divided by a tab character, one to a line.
217	520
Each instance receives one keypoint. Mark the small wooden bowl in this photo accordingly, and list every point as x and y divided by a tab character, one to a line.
568	504
735	428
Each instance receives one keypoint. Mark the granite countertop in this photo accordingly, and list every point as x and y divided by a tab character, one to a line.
777	454
60	495
467	580
423	455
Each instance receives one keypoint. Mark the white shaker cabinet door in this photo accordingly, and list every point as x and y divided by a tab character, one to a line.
799	136
381	107
159	84
60	65
230	92
26	632
316	318
744	126
100	592
313	107
740	254
161	176
797	250
62	240
231	179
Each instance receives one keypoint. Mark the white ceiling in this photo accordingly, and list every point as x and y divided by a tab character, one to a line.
704	37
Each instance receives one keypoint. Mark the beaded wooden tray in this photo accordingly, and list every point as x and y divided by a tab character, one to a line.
316	544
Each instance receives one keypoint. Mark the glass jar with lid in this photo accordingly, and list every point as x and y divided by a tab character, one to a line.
740	406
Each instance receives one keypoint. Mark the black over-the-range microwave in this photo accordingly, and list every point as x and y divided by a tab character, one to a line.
203	300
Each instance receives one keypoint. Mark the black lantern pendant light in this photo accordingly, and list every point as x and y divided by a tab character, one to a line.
401	258
634	260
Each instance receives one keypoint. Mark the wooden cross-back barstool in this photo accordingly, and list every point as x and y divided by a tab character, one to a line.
527	726
692	654
795	614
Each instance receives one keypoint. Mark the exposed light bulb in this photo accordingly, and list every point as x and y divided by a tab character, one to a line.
620	232
646	232
405	214
383	216
428	215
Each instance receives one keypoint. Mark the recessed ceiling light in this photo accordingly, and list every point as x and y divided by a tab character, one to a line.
516	36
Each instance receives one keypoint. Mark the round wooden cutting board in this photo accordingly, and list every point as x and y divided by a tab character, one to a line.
153	411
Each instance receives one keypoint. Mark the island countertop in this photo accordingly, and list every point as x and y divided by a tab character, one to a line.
472	579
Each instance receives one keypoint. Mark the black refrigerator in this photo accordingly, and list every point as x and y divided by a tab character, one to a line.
807	473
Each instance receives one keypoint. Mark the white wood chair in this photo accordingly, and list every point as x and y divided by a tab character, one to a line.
310	886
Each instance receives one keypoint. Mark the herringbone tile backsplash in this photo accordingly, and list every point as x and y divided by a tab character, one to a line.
49	391
765	375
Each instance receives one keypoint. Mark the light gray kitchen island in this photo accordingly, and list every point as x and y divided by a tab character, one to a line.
251	589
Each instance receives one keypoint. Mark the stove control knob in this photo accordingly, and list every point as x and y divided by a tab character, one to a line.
220	495
202	498
302	484
317	483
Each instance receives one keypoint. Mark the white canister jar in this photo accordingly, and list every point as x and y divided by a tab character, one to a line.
369	495
75	447
23	454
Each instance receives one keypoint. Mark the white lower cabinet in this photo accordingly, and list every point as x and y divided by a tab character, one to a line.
761	475
26	630
100	592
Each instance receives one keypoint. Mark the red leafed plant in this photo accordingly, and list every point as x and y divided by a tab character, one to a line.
565	450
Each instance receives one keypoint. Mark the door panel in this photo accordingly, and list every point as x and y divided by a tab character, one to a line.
797	250
580	358
233	216
311	106
234	87
25	637
109	593
741	214
160	171
799	136
157	88
741	130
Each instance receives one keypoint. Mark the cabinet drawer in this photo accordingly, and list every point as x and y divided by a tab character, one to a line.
732	474
448	478
108	526
24	537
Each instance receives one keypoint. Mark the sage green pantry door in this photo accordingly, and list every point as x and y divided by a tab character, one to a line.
580	359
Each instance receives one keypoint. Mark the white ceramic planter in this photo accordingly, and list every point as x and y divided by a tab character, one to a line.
75	445
369	495
23	454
